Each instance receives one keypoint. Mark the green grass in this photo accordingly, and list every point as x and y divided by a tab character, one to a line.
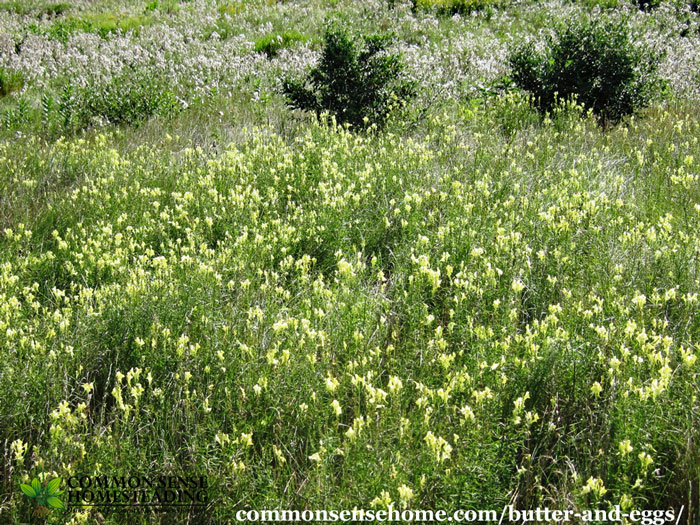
277	264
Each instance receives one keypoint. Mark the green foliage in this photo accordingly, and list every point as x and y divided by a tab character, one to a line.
648	5
130	98
164	6
485	304
374	256
357	80
602	4
98	23
56	9
22	8
595	61
18	8
271	44
236	8
452	7
10	81
16	115
231	9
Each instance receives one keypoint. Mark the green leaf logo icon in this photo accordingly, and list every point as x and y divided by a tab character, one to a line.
44	495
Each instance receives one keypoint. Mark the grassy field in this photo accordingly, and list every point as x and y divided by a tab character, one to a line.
475	305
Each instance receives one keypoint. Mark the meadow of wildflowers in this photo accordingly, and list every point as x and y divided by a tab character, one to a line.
474	306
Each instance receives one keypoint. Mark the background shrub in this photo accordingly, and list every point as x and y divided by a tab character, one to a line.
595	61
129	98
356	79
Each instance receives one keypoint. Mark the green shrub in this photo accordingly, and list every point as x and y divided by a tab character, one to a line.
595	61
18	8
356	79
271	44
129	98
10	81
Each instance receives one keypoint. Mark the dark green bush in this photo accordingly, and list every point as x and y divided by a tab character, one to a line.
271	44
595	61
356	79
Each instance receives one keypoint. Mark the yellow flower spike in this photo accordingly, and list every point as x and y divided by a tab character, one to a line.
337	409
625	447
